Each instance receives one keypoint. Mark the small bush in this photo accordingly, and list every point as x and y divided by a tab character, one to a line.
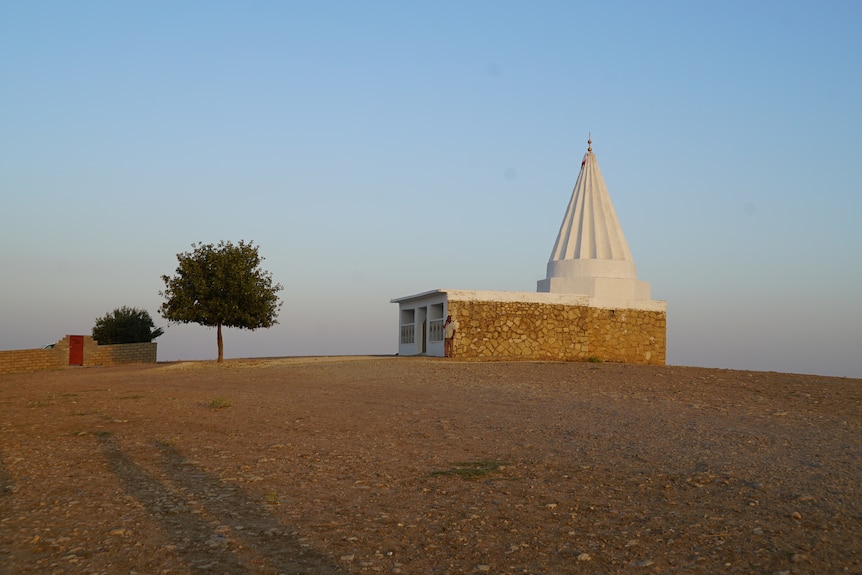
220	403
125	325
471	469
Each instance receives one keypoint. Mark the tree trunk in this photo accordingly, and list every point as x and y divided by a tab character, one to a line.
220	345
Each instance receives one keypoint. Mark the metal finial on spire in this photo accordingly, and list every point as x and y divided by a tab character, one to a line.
590	142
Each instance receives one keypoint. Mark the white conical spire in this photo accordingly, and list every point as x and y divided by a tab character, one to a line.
590	229
591	255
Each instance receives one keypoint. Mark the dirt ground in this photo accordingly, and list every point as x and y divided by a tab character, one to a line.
427	466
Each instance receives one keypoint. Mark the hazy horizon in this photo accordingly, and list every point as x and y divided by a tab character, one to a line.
376	150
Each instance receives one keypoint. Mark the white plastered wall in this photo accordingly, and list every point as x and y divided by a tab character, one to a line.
427	311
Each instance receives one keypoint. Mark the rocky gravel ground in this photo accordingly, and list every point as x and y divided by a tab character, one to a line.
427	466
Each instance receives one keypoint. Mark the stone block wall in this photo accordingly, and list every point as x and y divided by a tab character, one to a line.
541	331
57	357
119	354
23	360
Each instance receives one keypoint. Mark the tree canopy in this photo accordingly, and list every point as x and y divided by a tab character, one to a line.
221	285
125	325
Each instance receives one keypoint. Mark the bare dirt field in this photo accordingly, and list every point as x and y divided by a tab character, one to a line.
427	466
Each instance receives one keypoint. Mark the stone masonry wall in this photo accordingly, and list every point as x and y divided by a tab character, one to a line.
26	360
120	353
21	360
537	331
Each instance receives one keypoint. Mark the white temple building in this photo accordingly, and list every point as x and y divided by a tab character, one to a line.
591	305
591	255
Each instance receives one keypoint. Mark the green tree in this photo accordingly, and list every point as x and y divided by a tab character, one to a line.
125	325
221	285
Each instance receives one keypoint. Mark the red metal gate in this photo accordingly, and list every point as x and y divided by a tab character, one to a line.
76	350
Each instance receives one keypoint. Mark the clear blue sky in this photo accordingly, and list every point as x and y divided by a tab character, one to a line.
379	149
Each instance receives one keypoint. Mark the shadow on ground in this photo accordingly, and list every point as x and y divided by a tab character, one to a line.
212	525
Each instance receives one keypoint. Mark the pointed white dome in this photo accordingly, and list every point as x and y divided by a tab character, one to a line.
591	255
590	228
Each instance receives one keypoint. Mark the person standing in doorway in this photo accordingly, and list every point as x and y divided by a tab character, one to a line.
449	329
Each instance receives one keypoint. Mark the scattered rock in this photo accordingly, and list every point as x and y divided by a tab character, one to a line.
348	449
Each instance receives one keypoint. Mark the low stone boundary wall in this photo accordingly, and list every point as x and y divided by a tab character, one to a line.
538	331
57	357
21	360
